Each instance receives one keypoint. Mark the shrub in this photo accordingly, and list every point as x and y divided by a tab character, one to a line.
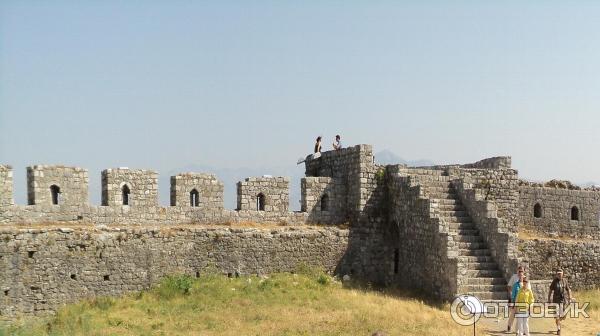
324	279
174	285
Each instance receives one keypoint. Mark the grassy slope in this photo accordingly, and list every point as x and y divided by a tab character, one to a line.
283	304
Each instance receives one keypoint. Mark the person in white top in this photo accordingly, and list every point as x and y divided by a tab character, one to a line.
513	280
337	144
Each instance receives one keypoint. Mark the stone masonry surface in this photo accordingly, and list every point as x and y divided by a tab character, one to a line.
208	188
71	183
6	186
142	186
444	230
272	192
40	269
324	199
555	211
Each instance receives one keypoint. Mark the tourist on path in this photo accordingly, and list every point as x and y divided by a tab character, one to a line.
514	279
337	144
523	302
560	293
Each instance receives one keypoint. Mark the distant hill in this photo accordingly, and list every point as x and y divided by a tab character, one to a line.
388	157
230	176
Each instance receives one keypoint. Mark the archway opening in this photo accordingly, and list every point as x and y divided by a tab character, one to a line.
55	193
194	198
537	210
260	202
125	194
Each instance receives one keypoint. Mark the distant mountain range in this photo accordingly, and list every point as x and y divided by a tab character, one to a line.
388	157
230	177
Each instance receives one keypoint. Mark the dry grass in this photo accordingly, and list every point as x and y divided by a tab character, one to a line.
283	304
241	224
310	303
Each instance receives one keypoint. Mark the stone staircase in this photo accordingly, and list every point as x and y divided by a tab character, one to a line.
480	274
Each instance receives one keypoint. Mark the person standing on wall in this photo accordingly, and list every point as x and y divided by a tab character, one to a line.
318	145
558	288
514	280
337	144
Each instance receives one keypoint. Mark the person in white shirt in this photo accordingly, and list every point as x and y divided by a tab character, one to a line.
337	144
513	280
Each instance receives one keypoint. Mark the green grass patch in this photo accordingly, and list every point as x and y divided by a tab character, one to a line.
309	302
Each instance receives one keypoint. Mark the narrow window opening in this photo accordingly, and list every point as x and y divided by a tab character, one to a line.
325	203
6	292
197	274
575	213
260	202
30	253
125	194
55	192
107	278
74	276
194	198
537	210
396	260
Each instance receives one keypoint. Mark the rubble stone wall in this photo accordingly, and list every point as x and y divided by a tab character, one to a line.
555	211
41	269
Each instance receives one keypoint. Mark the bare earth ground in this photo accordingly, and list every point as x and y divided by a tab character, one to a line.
545	326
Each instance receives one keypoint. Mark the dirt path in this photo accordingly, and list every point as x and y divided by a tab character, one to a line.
545	326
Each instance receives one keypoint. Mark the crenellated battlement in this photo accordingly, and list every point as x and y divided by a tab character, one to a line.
130	196
446	229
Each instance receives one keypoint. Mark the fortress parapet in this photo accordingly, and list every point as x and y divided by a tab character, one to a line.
6	185
269	194
57	185
197	190
133	187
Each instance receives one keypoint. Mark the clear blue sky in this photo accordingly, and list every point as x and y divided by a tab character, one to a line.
162	85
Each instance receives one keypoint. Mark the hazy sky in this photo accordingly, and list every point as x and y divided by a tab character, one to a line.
162	85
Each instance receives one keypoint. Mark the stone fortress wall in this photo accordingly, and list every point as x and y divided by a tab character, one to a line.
130	197
560	212
443	230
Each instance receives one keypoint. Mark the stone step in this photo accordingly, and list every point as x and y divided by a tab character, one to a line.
457	219
486	281
465	232
451	207
453	213
478	252
462	226
439	190
468	238
482	288
450	202
481	266
439	187
441	196
472	245
483	273
500	295
471	259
